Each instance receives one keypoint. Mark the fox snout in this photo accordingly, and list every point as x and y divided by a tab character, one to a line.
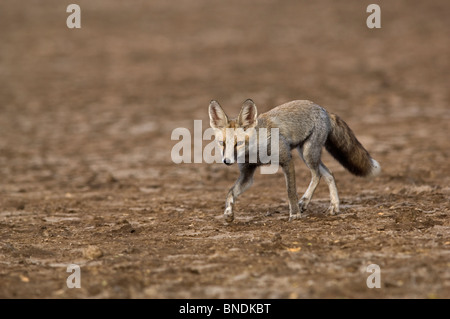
228	155
227	161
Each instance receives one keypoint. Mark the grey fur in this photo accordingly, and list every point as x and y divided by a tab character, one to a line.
307	127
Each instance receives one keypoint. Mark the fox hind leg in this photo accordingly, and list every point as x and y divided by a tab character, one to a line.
306	198
311	152
329	179
311	155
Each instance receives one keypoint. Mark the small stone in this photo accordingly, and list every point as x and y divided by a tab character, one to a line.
92	252
276	238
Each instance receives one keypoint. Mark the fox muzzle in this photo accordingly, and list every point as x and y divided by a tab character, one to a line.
227	161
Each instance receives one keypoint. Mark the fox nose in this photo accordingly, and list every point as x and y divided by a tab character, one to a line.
227	161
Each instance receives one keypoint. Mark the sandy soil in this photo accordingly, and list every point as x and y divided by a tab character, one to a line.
86	175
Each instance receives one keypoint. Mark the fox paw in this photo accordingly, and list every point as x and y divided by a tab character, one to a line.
302	205
332	210
228	215
294	216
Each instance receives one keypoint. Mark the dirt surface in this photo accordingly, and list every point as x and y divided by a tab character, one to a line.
86	175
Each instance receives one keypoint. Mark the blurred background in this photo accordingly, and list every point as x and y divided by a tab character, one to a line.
87	114
133	73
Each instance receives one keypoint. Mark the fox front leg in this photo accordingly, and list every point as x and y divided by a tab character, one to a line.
228	214
243	182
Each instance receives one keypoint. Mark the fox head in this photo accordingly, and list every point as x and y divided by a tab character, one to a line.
233	134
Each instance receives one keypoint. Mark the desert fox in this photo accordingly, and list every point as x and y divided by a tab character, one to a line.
302	125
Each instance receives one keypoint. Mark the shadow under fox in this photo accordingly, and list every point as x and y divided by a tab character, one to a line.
302	125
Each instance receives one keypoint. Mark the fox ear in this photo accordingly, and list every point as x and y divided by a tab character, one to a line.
217	117
248	116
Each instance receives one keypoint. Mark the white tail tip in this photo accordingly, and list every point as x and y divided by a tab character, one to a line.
376	168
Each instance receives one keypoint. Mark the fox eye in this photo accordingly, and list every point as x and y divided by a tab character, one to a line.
239	143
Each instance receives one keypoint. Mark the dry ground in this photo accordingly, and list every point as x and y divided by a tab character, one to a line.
85	126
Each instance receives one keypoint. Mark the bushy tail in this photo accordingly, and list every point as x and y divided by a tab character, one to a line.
347	150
